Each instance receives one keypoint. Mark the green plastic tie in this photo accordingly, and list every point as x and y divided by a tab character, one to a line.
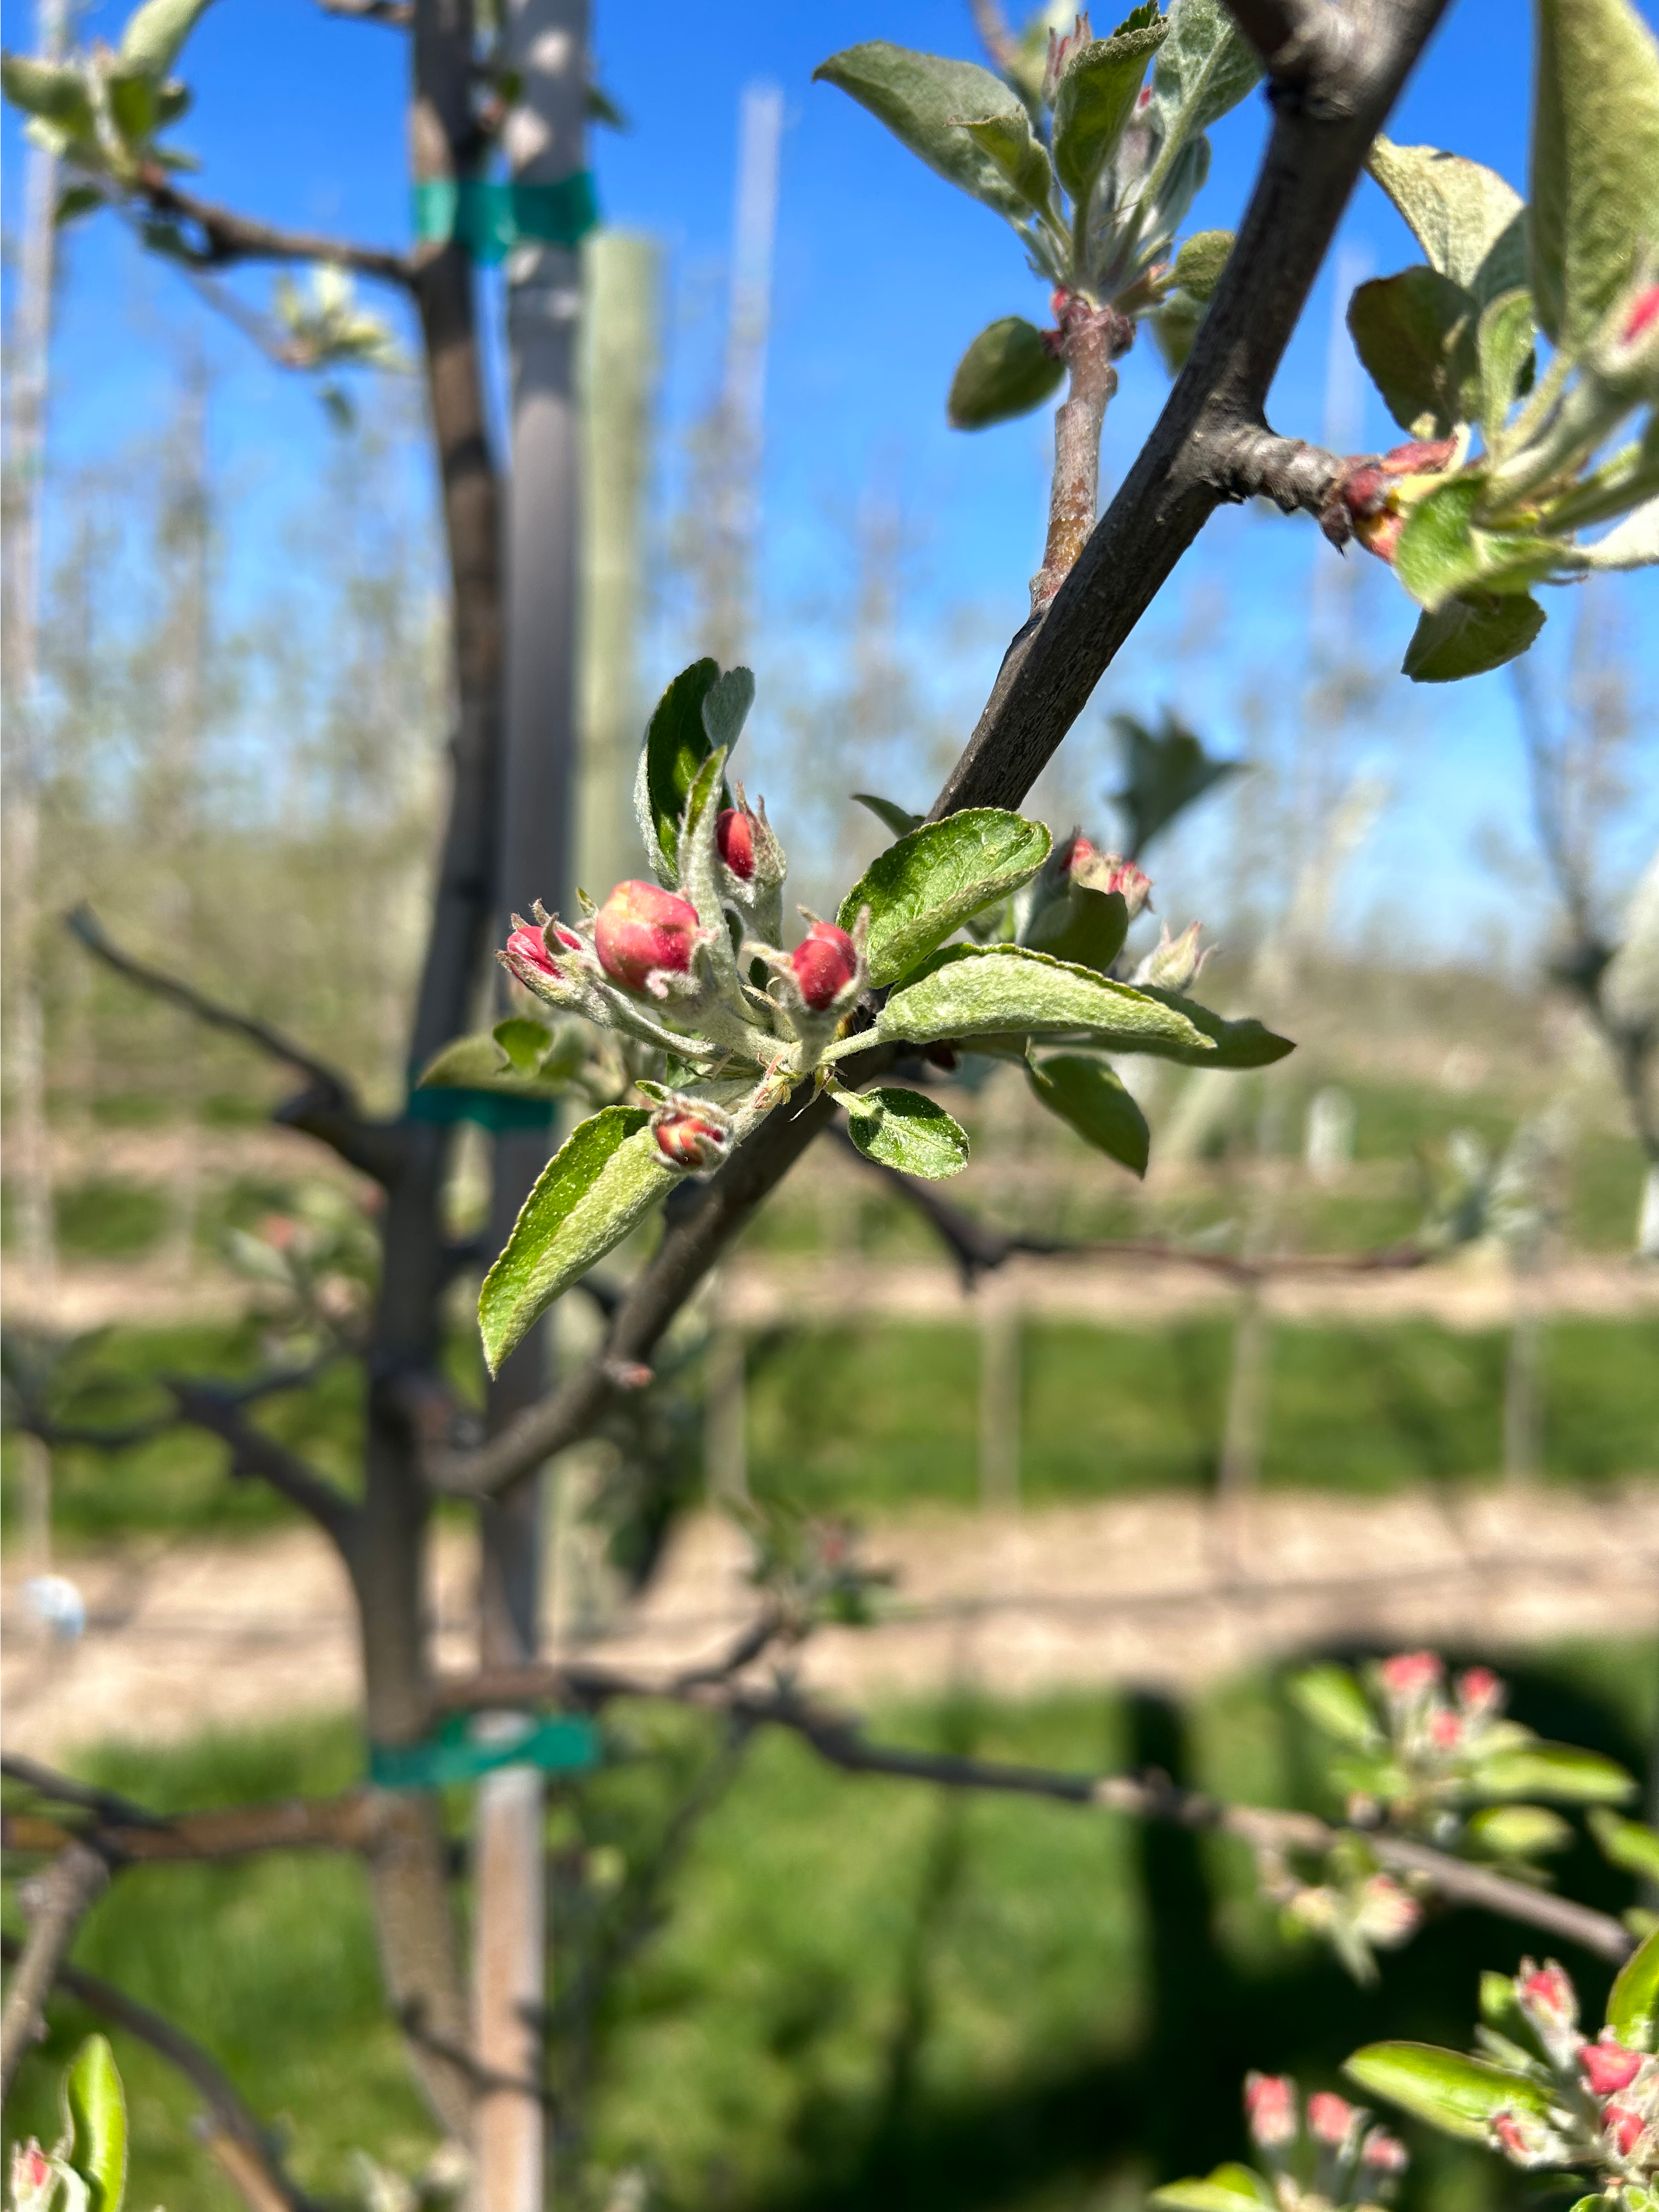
561	1743
491	217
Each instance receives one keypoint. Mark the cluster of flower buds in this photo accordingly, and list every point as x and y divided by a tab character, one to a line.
691	967
1052	913
1351	2161
1431	1733
1605	2106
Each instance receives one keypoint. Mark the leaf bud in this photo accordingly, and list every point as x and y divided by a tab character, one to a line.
1176	963
1331	2118
1608	2067
827	967
643	935
1270	2109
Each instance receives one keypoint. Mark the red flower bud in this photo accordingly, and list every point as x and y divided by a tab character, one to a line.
689	1140
530	946
1547	1997
825	962
1418	457
1608	2067
1330	2117
1624	2128
1479	1691
1384	2152
31	2170
1643	314
1409	1673
1521	2137
1270	2109
734	834
641	933
1445	1730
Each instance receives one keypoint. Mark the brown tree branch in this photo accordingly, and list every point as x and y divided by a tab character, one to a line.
358	1822
228	237
231	2136
252	1452
397	15
55	1901
326	1109
1150	1796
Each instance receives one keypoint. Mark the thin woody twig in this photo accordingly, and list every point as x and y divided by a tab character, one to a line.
56	1901
231	2136
355	1821
228	237
397	15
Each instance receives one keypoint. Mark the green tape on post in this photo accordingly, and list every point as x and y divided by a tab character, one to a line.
491	217
491	1110
561	1743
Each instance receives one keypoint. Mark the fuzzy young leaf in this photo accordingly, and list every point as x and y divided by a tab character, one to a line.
1470	224
1008	991
726	707
1095	98
1333	1701
675	747
53	91
1503	349
925	99
1007	370
1021	156
1230	2188
1560	1770
1205	66
1415	334
156	33
905	1129
605	1179
1470	634
1087	927
1235	1045
1199	264
899	819
1452	2092
1633	2001
920	891
1089	1095
98	2116
1630	1845
1595	160
1442	552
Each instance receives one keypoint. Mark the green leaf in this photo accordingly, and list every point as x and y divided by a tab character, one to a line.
54	91
1008	991
1628	1844
922	888
1595	160
1243	1043
523	1042
1560	1770
1199	264
1415	334
726	707
1469	635
1631	543
1455	2093
155	35
924	100
541	1070
1007	370
675	747
1231	2188
1470	224
1086	927
1019	153
1503	349
904	1129
1518	1832
1091	1097
1633	2003
603	1181
1205	67
98	2115
1176	323
899	819
1095	98
1437	553
1332	1701
1166	770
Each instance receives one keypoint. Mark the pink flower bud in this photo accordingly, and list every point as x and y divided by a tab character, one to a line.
641	933
31	2171
530	946
1445	1730
1608	2067
1388	1913
826	965
1330	2117
1548	1999
734	834
1624	2128
1063	50
1410	1674
1109	871
1479	1691
1384	2153
1643	314
1523	2137
690	1139
1270	2109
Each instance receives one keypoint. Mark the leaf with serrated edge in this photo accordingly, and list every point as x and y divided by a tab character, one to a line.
906	1130
1243	1043
1006	372
1094	1100
1205	67
1469	222
676	745
1008	990
1470	634
921	889
924	100
605	1179
1018	152
1633	2003
1595	160
98	2114
1560	1770
1449	2091
1095	98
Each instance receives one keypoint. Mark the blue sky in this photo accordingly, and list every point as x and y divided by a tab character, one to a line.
883	273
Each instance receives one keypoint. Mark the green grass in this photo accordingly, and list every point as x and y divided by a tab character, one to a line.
859	1993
